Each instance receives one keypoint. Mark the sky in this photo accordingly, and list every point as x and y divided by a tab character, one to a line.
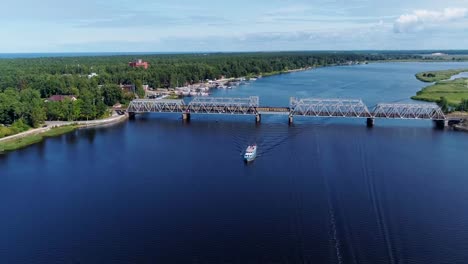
234	25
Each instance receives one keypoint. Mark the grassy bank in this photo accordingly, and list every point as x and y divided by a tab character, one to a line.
435	76
454	91
32	139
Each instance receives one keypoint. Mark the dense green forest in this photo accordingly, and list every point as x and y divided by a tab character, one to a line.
26	83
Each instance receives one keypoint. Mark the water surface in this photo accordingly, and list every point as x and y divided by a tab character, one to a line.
156	190
459	76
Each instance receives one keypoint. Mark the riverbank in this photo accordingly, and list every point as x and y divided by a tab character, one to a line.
462	126
52	129
436	76
33	138
203	88
455	91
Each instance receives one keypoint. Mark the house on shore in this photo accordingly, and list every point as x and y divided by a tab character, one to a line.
128	88
60	98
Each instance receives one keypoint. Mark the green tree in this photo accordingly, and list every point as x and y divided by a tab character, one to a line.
463	106
10	108
87	105
112	94
444	104
139	89
32	107
54	111
70	109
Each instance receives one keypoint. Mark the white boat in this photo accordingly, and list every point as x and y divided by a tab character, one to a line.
250	153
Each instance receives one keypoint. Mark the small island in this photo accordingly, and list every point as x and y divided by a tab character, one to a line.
451	94
435	76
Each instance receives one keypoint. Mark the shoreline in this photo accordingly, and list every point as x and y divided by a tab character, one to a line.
204	85
53	129
115	119
462	128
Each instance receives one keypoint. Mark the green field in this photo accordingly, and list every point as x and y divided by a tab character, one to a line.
454	91
435	76
29	140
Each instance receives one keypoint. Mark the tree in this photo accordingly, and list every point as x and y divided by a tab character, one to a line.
112	94
32	107
54	111
444	104
463	106
87	105
10	107
139	89
70	109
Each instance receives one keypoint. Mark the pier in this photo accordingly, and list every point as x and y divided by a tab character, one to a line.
307	107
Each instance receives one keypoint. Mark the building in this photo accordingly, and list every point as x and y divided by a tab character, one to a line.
93	74
60	98
138	64
129	88
117	106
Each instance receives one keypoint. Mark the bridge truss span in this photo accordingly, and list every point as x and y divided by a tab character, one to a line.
311	107
223	105
156	106
329	108
409	111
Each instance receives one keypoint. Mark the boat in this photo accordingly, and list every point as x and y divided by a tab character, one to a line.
250	153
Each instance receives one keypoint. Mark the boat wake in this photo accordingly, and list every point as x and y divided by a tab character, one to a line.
334	237
376	204
267	140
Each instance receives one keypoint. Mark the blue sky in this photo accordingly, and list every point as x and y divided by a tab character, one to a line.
239	25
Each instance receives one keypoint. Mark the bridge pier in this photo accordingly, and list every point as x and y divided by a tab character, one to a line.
290	119
258	118
186	116
441	123
370	122
131	115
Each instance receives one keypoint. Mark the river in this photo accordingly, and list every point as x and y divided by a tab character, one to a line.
156	190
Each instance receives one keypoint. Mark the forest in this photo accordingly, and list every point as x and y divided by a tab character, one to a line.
26	83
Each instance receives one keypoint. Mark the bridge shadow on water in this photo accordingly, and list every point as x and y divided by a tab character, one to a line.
271	133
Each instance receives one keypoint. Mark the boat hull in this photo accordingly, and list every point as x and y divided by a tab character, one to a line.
250	153
250	158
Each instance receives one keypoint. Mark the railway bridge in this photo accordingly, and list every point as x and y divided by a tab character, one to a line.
308	107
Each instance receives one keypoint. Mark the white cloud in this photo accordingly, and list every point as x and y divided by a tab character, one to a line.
420	19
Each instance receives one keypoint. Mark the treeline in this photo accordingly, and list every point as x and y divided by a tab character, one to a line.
26	83
60	75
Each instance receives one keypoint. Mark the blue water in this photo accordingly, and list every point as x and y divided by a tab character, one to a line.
157	190
459	76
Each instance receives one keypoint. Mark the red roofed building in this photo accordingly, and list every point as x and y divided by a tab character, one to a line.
138	64
60	98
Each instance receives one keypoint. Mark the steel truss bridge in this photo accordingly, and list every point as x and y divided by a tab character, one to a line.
311	107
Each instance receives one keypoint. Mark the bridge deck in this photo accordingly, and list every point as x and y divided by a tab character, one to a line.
311	107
